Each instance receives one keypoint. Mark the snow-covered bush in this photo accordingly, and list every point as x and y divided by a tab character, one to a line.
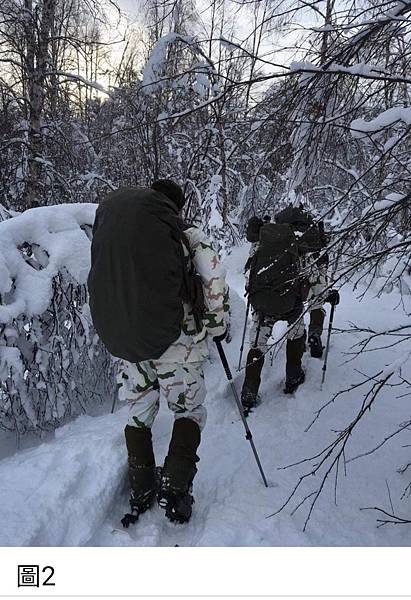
52	365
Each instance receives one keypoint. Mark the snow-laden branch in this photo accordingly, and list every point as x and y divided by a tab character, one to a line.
387	118
52	364
56	233
87	82
360	70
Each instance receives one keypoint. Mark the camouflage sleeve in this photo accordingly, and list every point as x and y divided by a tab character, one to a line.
247	266
216	292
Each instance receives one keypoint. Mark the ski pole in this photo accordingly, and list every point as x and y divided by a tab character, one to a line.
330	325
113	406
248	433
244	330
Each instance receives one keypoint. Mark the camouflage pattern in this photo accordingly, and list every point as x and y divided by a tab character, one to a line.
191	346
317	276
178	373
181	385
296	328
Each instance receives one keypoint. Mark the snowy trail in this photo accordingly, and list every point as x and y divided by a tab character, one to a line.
72	490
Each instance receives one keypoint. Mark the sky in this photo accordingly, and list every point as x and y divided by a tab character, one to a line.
243	24
280	48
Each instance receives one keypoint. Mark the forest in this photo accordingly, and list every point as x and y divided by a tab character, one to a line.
250	105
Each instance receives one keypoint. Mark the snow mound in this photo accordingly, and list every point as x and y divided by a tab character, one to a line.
56	493
58	240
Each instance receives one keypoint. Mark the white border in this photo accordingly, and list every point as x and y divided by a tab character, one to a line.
213	572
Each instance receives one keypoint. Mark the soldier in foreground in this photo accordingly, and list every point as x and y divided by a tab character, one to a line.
165	296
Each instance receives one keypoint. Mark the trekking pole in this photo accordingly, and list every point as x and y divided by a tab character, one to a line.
244	330
113	406
330	324
248	435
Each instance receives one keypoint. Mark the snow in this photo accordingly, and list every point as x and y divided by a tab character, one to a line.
154	68
387	118
364	70
388	202
72	490
56	234
359	69
87	82
215	221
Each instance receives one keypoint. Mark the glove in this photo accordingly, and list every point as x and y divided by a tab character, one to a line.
333	297
220	338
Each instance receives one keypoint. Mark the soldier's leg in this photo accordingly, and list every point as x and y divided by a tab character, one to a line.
138	385
295	349
317	314
184	388
260	332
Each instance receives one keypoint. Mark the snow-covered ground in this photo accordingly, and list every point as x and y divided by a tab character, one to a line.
72	490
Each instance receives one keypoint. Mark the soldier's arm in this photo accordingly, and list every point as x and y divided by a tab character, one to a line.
216	292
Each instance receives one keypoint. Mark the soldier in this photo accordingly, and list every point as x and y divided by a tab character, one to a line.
276	293
310	283
177	373
311	241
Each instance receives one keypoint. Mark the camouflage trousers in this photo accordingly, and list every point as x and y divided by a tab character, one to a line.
315	303
182	385
295	330
318	285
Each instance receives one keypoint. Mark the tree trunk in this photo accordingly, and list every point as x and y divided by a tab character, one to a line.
37	61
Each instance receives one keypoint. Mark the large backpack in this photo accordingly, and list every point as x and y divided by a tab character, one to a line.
310	235
137	277
274	285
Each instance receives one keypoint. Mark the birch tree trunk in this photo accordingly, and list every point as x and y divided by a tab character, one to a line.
37	58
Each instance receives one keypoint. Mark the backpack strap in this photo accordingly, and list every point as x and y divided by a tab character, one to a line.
186	244
193	293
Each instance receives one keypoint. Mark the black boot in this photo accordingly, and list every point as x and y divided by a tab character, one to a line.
249	393
292	383
141	468
179	471
314	332
294	372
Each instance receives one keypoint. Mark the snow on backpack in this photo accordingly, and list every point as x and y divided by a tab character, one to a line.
274	284
310	235
138	279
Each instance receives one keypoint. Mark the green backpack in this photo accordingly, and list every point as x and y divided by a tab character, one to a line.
139	276
274	285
